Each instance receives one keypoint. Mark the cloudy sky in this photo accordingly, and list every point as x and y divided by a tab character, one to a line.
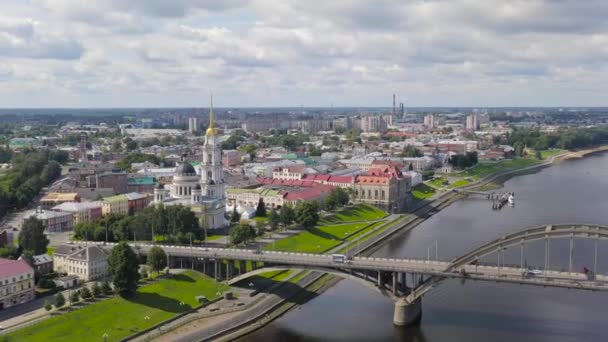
147	53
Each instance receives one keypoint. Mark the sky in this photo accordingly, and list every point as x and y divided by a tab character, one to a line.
161	53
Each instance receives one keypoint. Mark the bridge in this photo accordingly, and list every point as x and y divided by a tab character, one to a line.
407	280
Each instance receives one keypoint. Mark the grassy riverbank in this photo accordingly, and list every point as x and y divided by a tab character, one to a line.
119	317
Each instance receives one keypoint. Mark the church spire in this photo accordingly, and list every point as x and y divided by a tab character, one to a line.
211	130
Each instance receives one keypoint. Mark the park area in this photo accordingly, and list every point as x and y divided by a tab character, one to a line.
332	231
119	318
422	191
485	169
361	212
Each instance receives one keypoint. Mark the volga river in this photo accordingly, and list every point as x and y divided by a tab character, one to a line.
574	191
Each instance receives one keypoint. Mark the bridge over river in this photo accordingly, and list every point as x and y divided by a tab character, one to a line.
407	280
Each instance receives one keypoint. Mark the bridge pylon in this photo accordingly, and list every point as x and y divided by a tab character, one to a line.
407	313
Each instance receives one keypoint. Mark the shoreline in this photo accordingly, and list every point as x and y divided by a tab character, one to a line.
443	200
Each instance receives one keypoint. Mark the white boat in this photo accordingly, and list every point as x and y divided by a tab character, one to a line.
511	199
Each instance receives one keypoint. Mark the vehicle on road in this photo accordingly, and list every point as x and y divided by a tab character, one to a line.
339	258
534	272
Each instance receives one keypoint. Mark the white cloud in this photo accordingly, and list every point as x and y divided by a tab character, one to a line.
264	52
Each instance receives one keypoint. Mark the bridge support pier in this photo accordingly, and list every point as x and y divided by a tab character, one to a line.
407	313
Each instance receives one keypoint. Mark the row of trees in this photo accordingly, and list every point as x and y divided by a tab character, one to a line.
565	139
30	172
462	161
175	223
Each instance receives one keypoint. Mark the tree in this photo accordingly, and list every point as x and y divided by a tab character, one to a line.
74	297
85	293
341	196
235	217
32	236
260	210
286	215
274	219
242	233
539	156
157	259
331	201
123	267
307	214
47	305
59	300
96	290
59	156
106	289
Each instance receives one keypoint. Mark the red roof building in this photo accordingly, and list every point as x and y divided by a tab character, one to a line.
16	282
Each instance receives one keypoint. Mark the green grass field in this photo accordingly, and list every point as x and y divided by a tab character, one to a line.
550	153
361	212
422	191
459	183
214	237
341	231
438	182
484	169
120	317
321	239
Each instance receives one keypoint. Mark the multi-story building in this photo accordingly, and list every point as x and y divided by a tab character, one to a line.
137	201
373	123
244	197
16	283
256	126
429	121
384	187
192	124
88	263
115	180
141	184
55	198
291	172
231	157
118	204
82	212
472	123
53	221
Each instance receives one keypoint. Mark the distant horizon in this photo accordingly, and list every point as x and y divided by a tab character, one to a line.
298	107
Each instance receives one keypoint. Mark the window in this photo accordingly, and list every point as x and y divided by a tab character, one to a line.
209	175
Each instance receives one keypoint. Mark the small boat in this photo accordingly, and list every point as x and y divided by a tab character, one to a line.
511	199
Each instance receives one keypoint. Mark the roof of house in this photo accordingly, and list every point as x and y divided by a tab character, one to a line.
42	259
10	268
76	206
308	193
328	178
141	181
132	196
44	214
87	253
116	198
60	196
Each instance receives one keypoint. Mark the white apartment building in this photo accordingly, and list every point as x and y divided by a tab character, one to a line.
88	263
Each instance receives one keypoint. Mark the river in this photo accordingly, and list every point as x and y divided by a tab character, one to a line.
573	191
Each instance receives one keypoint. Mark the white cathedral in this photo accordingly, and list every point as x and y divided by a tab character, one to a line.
203	193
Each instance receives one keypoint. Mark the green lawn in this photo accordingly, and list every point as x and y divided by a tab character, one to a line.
422	191
341	231
438	182
214	237
277	275
550	153
361	212
312	241
484	169
459	183
120	317
322	238
261	220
